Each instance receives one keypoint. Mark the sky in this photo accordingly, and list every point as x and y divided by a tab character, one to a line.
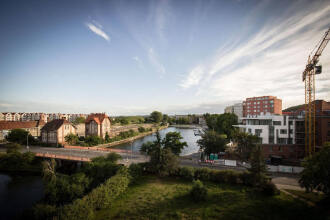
177	57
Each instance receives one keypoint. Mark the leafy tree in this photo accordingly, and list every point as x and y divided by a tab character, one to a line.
124	121
162	160
245	143
141	129
165	118
93	140
258	168
79	120
156	116
72	139
13	147
316	175
19	136
107	137
49	170
172	141
225	122
212	142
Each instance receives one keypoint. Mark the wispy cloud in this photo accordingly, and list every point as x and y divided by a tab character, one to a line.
162	15
97	29
269	63
139	62
154	60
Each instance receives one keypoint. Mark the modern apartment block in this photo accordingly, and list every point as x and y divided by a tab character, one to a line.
262	105
280	135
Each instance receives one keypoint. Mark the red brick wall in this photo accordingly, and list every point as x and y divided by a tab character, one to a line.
287	151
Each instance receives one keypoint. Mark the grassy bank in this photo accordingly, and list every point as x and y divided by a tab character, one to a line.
155	198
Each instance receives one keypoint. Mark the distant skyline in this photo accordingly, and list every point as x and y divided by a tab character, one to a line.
177	57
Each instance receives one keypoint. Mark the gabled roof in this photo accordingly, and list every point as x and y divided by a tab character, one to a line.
54	125
98	118
9	125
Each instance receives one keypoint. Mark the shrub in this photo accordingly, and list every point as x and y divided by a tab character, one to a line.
99	198
198	191
93	140
202	174
187	173
136	171
141	129
246	178
268	189
41	211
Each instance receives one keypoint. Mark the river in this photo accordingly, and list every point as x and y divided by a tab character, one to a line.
186	133
17	193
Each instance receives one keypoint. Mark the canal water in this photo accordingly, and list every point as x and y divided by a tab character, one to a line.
187	134
17	193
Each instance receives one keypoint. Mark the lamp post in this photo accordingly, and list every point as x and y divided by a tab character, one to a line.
27	141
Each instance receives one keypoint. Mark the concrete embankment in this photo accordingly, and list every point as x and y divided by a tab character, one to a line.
191	126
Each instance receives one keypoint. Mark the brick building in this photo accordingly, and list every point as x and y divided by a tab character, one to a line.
33	127
97	124
262	104
55	131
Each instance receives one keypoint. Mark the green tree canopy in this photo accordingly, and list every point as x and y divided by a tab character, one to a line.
79	120
19	136
316	175
258	166
245	144
71	139
172	141
156	116
222	123
212	142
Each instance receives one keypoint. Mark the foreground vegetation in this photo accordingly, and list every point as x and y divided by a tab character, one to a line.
169	198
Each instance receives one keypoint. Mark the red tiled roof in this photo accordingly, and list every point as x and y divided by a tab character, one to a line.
9	125
98	118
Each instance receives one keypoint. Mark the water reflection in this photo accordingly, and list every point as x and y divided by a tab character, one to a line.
187	134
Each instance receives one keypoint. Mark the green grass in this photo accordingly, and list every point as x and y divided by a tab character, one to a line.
310	196
155	198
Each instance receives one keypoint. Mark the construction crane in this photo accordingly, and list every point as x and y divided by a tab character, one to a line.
308	77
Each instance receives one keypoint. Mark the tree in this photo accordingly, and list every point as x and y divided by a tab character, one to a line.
172	141
316	175
124	121
49	170
224	124
72	139
93	140
162	160
165	118
79	120
19	136
258	168
245	144
107	137
212	142
156	116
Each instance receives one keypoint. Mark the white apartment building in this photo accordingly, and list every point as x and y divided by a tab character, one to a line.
272	129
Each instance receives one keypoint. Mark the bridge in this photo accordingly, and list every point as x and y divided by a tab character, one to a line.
82	154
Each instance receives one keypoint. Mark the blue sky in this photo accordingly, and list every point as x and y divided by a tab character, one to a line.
133	57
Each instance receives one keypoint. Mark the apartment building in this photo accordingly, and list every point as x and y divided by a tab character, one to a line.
33	127
236	109
55	131
262	105
280	135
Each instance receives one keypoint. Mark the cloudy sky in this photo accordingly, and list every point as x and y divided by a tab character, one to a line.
133	57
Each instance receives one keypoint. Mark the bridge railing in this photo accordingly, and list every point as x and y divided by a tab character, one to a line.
63	157
101	149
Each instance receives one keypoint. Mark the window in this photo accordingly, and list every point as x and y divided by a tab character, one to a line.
249	130
283	131
276	123
258	132
271	101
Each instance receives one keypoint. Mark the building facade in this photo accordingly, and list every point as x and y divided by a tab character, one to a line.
54	132
33	127
97	124
262	105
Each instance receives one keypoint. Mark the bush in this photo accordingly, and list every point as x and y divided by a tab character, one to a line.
202	174
99	198
268	189
93	140
198	191
41	211
246	178
187	173
141	129
136	171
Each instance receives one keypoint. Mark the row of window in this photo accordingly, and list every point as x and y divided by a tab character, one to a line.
265	102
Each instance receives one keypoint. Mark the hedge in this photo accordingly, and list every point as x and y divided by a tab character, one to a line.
99	198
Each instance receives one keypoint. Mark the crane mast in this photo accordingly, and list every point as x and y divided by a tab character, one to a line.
308	77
